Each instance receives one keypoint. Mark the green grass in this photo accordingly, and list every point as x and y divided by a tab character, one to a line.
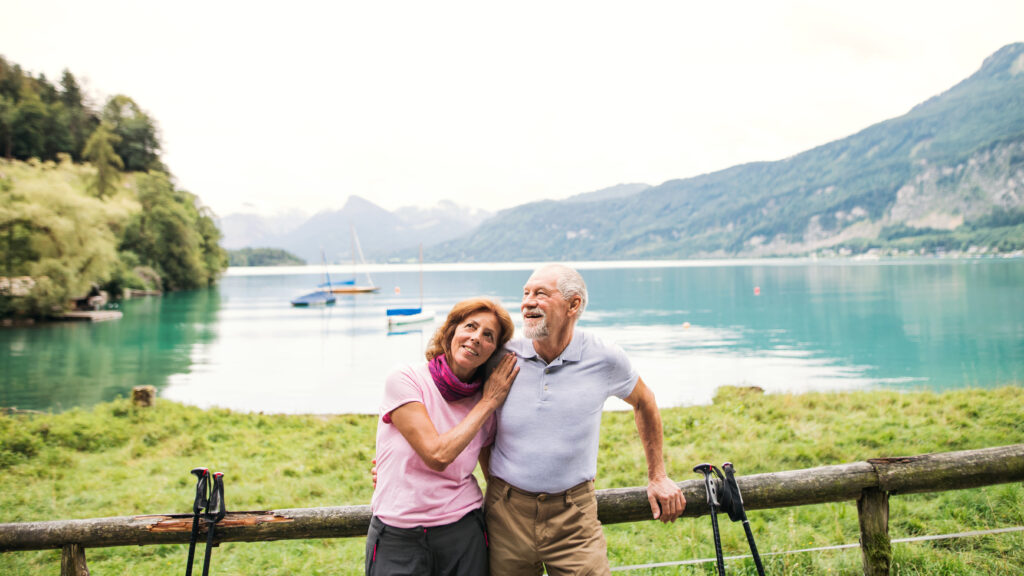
116	460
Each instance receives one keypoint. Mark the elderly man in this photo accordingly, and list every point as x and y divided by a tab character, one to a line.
540	503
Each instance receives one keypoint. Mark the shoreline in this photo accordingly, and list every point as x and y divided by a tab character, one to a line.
240	271
722	393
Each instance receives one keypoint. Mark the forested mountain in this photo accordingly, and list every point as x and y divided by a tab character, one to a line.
612	192
948	175
86	201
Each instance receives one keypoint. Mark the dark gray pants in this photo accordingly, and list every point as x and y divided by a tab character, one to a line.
456	549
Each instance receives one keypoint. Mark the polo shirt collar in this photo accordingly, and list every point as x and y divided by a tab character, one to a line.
572	353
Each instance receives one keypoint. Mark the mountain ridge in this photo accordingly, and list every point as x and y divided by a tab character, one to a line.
956	158
328	233
948	175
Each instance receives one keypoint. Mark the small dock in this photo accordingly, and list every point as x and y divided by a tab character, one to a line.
133	293
92	315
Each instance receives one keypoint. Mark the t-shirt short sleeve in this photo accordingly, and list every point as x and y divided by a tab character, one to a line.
622	378
400	388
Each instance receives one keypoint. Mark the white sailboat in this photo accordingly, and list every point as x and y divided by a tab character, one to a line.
400	317
350	286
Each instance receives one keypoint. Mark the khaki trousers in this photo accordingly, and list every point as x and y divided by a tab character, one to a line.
529	532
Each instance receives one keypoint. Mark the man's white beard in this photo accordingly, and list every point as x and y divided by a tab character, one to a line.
538	330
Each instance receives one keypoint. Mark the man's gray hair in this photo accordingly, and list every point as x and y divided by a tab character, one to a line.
570	283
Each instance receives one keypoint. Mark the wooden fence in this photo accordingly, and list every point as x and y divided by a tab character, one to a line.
869	483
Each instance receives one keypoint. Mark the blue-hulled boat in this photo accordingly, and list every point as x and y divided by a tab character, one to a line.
406	316
318	298
322	296
398	317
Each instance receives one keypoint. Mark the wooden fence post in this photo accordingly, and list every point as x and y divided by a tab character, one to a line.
144	396
72	561
875	546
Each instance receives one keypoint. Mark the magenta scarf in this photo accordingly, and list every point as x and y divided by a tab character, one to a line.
448	384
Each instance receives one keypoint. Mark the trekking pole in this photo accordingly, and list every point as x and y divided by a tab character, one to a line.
201	501
732	501
709	486
214	513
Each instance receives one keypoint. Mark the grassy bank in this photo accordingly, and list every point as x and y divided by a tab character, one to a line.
117	460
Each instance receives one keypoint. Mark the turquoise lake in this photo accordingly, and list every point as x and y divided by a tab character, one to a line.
689	327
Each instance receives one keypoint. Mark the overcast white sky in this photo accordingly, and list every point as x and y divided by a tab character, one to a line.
266	106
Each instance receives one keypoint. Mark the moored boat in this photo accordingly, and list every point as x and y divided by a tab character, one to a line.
349	286
318	298
405	316
322	296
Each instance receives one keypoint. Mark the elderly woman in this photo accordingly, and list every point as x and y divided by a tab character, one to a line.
435	420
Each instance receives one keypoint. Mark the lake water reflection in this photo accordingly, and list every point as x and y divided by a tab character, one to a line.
688	327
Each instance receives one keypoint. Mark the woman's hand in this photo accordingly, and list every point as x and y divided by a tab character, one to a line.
500	382
439	450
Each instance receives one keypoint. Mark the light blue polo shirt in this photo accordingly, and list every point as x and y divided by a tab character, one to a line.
550	424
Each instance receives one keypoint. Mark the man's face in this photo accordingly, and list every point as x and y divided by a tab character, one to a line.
544	309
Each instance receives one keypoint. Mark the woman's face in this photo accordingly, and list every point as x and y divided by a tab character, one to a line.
474	341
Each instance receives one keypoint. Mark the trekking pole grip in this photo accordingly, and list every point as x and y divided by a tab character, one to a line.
709	485
201	501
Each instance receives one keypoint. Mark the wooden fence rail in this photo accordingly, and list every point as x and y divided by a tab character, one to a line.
869	483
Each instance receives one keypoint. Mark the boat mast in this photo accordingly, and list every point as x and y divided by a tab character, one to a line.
327	273
359	249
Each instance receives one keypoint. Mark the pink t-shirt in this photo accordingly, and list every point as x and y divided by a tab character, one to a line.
408	493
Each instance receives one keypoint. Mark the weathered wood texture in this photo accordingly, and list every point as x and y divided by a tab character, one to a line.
144	396
72	561
875	545
950	470
299	523
845	482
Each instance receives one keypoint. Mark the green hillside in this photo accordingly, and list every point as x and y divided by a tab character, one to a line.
946	176
86	202
263	257
58	239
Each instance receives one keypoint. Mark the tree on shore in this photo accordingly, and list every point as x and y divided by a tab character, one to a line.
100	151
80	121
6	126
68	238
61	238
28	125
138	144
173	235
